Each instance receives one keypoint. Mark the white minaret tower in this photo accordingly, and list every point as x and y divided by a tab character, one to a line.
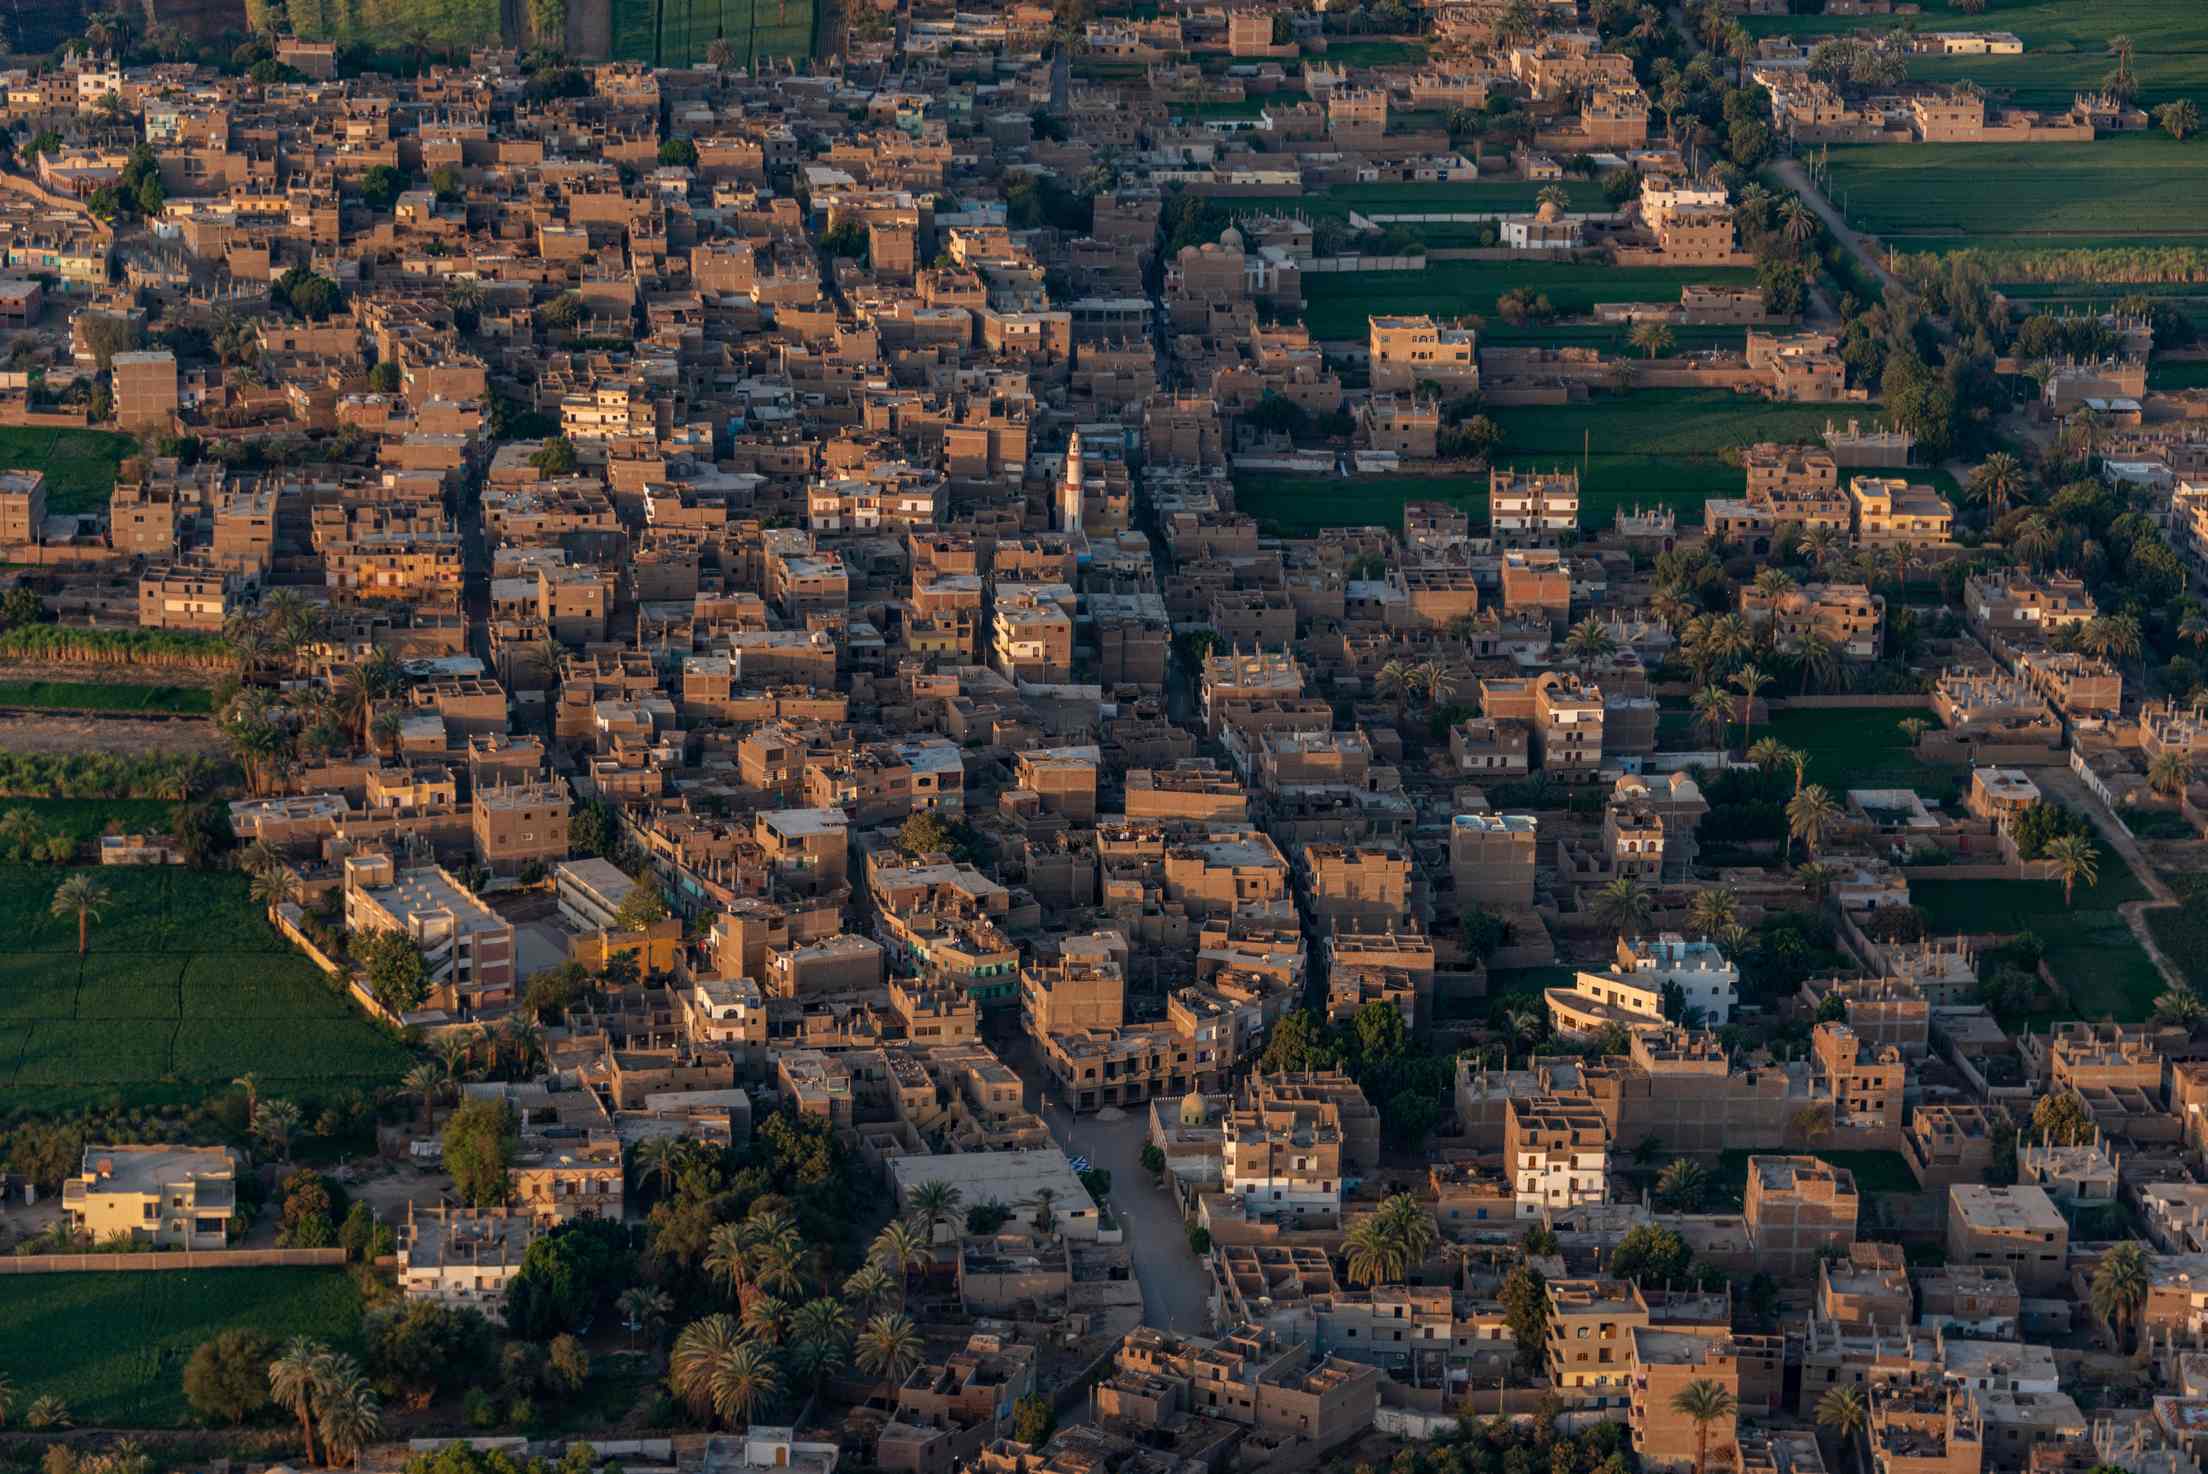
1069	489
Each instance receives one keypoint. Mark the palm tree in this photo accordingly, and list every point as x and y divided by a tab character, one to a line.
728	1259
1711	911
744	1381
657	1157
2182	1007
456	1052
1624	906
84	898
644	1308
346	1407
1410	1225
868	1287
1819	544
1914	729
276	1122
2075	858
1998	482
1841	1411
1682	1185
1713	710
1045	1200
898	1248
933	1203
2120	1287
821	1335
291	1383
1590	639
1767	753
764	1318
2170	771
1818	659
774	1267
1394	677
47	1412
1374	1256
1816	878
1652	338
1810	816
889	1348
272	888
1775	583
1750	680
1703	1402
702	1350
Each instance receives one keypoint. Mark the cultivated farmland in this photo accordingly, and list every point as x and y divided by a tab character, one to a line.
2090	950
79	464
2049	195
1676	436
186	984
1337	305
113	1346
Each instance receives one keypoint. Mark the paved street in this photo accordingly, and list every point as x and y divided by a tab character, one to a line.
1176	1286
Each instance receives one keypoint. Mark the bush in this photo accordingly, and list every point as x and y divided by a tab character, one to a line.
226	1381
1199	1239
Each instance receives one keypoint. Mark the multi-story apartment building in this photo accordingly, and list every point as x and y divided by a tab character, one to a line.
1568	712
1282	1159
2017	1228
1798	1209
1865	1079
1889	511
467	947
1532	508
1409	351
1556	1148
463	1258
1846	615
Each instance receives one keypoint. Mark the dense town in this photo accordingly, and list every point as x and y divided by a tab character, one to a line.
1435	736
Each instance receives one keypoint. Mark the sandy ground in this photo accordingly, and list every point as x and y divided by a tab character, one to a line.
103	675
124	736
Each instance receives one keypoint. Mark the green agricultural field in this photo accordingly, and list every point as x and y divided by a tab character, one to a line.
82	818
79	464
113	1346
673	33
186	985
1376	53
2182	933
1875	1172
1676	438
2167	32
1860	749
1336	305
2090	950
2178	373
85	696
2049	195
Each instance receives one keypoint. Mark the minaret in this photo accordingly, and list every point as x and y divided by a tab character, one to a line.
1069	490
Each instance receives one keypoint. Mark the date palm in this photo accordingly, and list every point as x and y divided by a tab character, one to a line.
1590	639
2170	771
292	1380
899	1249
277	1122
932	1204
820	1336
346	1408
1774	583
728	1259
1750	680
1682	1185
868	1288
1810	815
1711	911
1624	906
2075	858
744	1382
765	1317
1409	1224
1998	483
702	1349
2120	1286
888	1348
84	898
1713	712
1703	1402
1841	1412
644	1309
1373	1255
774	1268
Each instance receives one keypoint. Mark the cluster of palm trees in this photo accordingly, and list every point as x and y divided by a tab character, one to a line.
327	1393
1429	681
513	1048
1392	1242
271	734
727	1366
43	1412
